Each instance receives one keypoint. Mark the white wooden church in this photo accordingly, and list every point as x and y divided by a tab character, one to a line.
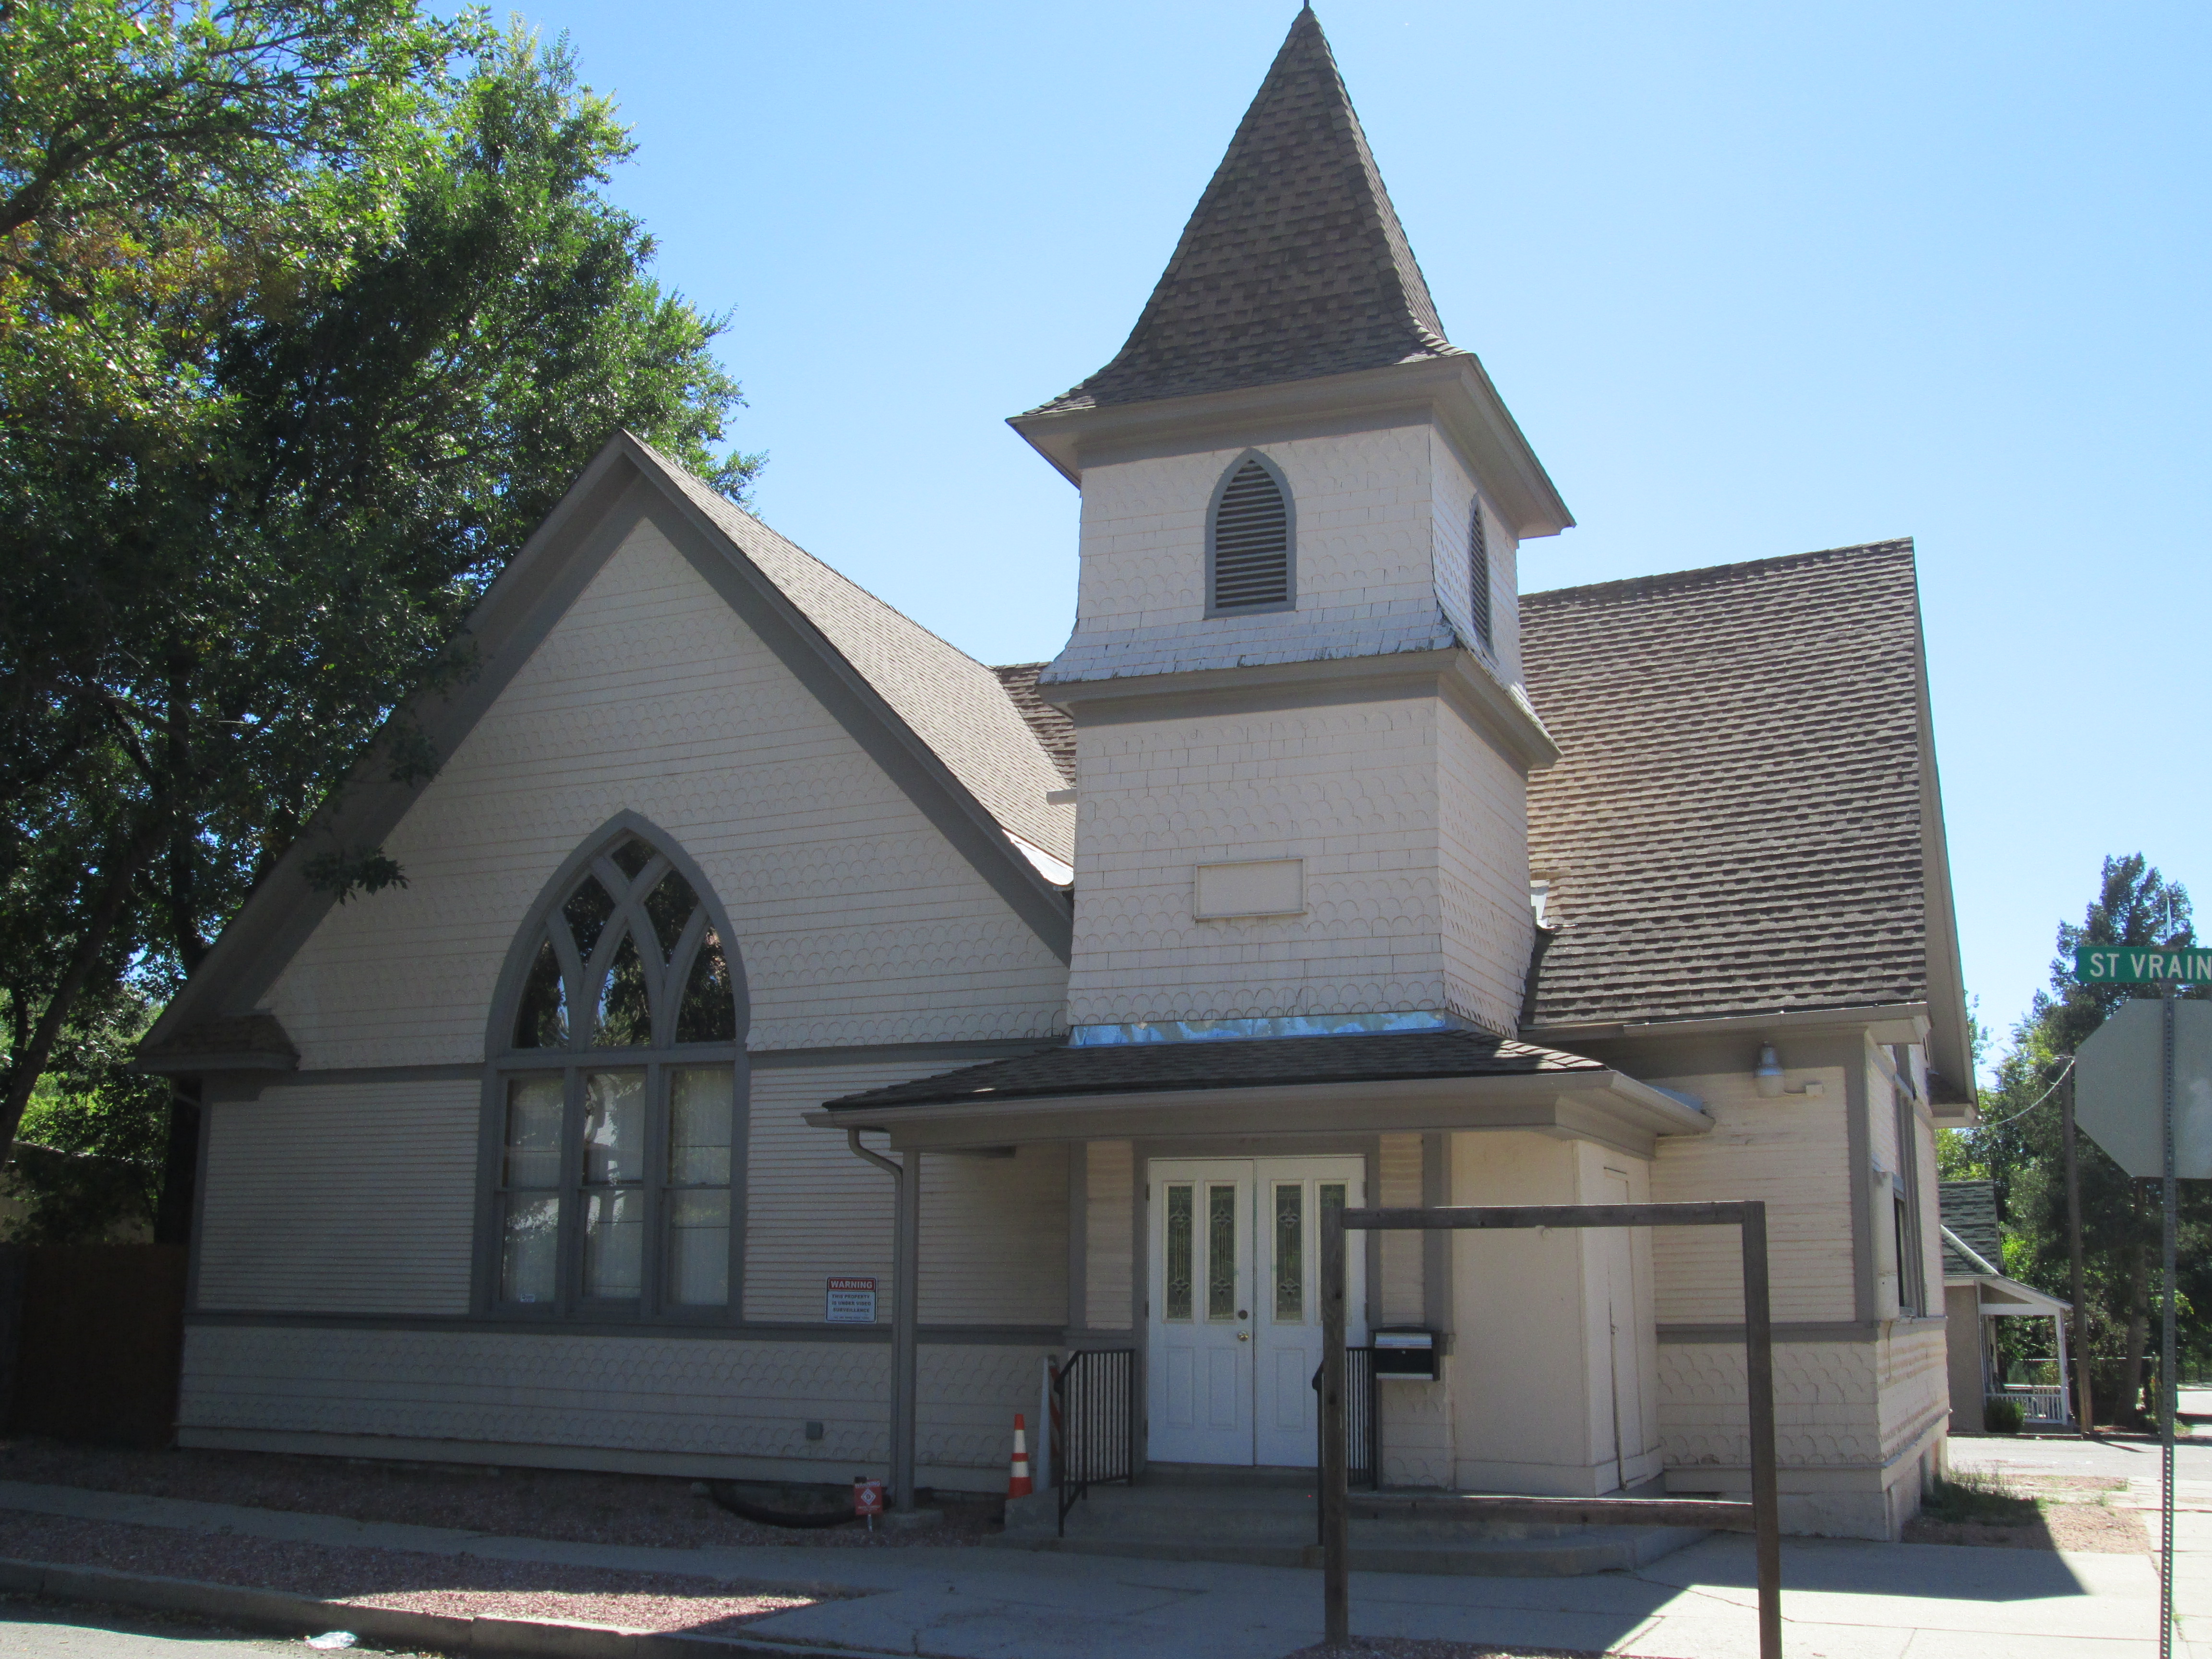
1323	866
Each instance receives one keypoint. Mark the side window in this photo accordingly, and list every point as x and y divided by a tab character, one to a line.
616	1100
1478	574
1248	542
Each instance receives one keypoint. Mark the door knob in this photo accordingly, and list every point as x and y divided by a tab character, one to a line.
1243	1336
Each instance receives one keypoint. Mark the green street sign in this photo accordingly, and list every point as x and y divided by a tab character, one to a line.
2129	964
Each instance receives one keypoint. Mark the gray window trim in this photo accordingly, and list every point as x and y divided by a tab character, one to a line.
1912	1249
503	1061
1289	537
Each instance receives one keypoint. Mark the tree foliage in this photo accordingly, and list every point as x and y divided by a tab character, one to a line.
2021	1150
309	312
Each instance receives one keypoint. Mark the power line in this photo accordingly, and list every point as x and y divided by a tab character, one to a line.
2032	1104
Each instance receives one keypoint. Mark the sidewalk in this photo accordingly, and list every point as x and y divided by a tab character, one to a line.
1843	1601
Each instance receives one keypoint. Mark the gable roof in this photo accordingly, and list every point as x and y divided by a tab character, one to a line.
1969	1208
1293	265
1051	727
940	722
1745	817
960	709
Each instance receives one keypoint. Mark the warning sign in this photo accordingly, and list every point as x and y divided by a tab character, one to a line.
851	1302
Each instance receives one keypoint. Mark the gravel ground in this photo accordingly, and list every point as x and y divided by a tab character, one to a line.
581	1508
464	1585
2071	1514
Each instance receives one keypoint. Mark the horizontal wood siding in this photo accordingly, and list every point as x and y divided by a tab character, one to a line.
1401	1184
1793	1153
994	1232
646	1395
341	1198
858	921
1109	1242
995	1239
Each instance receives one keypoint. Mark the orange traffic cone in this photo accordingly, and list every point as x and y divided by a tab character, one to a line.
1018	1485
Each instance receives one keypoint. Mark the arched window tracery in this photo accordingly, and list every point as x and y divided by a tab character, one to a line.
616	1090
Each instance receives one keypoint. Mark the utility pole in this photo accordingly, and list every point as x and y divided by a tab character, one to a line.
2081	1397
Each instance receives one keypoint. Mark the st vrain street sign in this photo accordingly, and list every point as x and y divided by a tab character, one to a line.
2120	1088
2120	964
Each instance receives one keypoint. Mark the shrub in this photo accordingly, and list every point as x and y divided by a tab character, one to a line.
2003	1417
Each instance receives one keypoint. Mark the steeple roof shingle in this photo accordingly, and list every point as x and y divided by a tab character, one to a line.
1293	265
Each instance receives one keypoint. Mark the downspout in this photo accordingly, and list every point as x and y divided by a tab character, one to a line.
906	1306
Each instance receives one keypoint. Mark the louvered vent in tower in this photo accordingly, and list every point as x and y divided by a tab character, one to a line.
1478	575
1252	542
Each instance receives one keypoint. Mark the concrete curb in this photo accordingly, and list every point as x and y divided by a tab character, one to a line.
279	1610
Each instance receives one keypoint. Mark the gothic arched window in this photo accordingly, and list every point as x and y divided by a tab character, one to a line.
617	1092
1247	541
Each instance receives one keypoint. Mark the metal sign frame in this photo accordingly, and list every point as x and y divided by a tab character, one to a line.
1761	1516
2167	968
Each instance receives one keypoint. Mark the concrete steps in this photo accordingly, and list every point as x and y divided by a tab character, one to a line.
1271	1523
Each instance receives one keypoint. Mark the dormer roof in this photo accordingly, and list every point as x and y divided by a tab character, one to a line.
1294	265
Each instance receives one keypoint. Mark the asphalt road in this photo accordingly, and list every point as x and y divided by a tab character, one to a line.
33	1629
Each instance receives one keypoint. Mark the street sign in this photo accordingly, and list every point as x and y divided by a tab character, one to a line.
2120	1088
2121	964
2143	1092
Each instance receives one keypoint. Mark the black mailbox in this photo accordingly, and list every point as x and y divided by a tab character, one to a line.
1406	1352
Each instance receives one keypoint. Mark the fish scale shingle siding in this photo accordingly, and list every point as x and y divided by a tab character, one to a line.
1734	826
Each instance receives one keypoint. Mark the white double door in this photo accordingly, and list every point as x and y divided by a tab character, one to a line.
1234	1310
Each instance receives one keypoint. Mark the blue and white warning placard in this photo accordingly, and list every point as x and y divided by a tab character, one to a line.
850	1301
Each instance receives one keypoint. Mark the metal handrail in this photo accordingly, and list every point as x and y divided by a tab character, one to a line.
1363	1430
1094	1424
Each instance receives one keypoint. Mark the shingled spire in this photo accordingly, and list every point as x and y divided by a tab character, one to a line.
1294	264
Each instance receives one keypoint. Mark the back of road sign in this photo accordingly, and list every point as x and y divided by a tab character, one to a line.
2120	1082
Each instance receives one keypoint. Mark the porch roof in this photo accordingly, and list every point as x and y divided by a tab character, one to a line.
1273	1085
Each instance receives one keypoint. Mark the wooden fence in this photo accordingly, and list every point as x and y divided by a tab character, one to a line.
92	1338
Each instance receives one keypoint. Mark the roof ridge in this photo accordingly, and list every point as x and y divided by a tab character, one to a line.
1293	265
1662	580
706	493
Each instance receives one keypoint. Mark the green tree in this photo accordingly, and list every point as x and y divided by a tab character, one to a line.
231	548
2021	1150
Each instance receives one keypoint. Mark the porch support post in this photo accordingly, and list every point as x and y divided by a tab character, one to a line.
906	1310
2059	1330
1335	1531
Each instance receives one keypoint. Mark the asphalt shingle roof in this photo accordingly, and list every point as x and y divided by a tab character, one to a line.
1734	826
227	1034
1969	1208
1293	264
1053	730
962	709
1130	1068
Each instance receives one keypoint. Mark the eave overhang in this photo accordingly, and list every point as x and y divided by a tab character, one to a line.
1501	711
1453	391
1596	1104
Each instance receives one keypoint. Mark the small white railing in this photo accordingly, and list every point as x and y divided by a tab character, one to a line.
2037	1405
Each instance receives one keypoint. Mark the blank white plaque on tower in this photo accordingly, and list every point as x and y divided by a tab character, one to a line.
1268	887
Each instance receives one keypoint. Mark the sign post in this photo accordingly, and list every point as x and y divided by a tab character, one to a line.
2145	1081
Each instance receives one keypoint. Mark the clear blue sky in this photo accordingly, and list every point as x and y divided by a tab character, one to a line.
1755	279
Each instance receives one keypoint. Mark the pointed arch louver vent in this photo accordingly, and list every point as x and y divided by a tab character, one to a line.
1251	542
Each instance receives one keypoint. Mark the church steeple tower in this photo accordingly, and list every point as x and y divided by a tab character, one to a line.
1294	264
1302	744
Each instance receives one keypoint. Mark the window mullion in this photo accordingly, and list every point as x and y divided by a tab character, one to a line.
572	1199
652	1185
